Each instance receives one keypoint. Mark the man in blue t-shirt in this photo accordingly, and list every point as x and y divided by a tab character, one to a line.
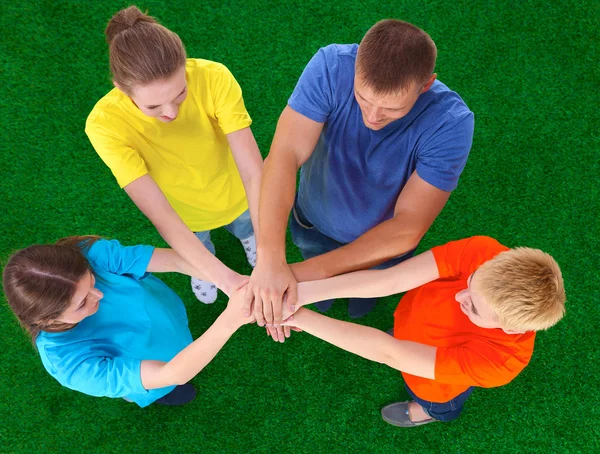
380	143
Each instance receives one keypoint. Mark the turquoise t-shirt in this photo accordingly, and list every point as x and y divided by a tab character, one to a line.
139	318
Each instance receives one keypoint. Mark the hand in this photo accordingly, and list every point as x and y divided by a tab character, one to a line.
294	320
234	282
268	284
278	334
236	308
281	333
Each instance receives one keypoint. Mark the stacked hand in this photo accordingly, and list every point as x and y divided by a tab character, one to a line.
265	307
272	286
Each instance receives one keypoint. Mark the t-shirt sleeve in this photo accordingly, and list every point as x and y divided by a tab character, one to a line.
230	111
478	363
125	163
111	256
443	156
94	375
313	95
458	259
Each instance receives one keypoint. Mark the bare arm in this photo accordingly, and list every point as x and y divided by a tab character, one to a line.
192	359
417	207
370	343
407	275
250	164
148	197
293	143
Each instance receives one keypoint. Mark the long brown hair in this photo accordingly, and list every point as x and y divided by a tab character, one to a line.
40	281
141	50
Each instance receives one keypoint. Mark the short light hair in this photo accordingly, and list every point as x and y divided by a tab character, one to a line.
524	287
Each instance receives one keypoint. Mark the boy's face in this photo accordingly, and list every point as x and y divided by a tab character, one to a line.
474	306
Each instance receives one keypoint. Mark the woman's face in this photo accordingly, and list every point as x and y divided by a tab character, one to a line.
161	99
84	303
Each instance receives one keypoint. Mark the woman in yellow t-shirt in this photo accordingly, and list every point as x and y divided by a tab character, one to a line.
176	135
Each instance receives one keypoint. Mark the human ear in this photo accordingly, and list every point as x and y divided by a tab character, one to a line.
429	83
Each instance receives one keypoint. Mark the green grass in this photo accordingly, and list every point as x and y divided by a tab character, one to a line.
529	71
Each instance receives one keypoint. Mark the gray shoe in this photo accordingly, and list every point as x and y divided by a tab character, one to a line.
396	414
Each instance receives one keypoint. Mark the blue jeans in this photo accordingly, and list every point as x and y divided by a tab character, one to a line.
445	411
241	228
311	242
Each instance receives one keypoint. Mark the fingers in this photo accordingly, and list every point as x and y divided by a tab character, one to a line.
248	299
286	332
258	310
277	306
292	296
272	331
280	334
268	312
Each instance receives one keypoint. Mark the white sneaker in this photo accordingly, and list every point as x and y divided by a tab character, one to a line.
206	292
250	249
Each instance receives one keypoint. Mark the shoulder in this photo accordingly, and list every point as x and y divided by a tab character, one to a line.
481	246
58	349
334	56
462	257
100	249
489	359
442	105
108	105
112	257
200	69
200	66
208	74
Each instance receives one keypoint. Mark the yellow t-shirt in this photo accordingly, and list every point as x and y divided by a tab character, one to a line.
189	158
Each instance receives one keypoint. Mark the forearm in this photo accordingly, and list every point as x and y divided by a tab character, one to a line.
385	241
276	200
252	187
195	357
196	260
250	166
149	198
369	343
407	275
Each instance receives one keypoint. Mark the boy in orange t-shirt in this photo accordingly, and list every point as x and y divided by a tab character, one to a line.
469	321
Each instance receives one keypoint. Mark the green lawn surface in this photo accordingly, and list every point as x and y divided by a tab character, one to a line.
529	72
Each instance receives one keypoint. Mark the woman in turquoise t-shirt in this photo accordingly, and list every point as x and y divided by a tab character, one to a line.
106	327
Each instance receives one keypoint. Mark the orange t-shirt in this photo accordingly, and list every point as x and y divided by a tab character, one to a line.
467	355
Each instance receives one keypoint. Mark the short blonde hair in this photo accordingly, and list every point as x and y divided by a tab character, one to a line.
524	287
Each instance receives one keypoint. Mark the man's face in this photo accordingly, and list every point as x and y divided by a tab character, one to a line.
380	110
161	99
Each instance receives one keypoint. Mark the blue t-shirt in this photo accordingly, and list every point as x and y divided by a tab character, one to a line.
139	318
354	177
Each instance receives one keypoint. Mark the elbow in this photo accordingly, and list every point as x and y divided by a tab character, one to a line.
172	378
391	361
179	382
406	241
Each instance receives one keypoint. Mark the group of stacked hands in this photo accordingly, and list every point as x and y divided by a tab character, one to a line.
381	144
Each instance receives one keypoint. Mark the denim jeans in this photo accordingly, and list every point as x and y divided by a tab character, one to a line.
311	242
241	228
445	411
